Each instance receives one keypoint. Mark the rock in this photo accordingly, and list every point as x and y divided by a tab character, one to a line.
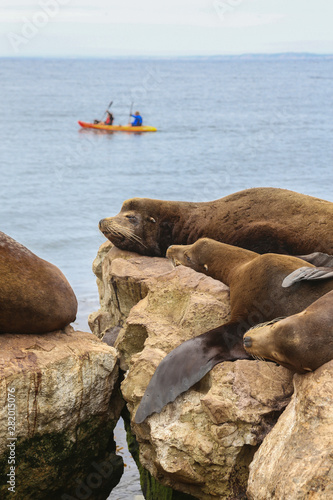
295	460
121	281
202	443
58	408
179	304
151	488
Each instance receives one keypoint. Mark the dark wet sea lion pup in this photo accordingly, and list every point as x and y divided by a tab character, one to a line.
301	342
35	297
256	295
259	219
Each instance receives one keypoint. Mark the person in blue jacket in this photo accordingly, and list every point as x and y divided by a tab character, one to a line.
137	120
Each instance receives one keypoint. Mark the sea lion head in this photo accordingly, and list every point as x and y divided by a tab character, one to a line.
193	256
141	226
277	341
301	342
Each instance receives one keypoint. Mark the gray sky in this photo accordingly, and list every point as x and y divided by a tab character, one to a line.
164	27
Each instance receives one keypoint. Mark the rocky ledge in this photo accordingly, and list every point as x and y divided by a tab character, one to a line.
59	404
203	443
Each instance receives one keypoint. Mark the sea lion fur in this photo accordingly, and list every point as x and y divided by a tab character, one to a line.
259	219
301	342
256	295
35	296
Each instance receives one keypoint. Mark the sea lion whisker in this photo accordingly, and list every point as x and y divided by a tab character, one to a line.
260	358
138	239
112	230
117	230
131	236
125	231
135	237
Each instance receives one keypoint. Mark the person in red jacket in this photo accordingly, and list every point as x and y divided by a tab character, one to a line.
109	118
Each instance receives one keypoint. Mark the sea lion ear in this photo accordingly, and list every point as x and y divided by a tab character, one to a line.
206	267
151	219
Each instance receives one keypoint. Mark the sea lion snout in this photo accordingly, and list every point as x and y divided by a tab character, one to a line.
247	342
174	253
104	225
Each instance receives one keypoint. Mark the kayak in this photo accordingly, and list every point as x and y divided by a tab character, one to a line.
117	128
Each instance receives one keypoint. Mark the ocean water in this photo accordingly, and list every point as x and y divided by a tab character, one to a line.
224	124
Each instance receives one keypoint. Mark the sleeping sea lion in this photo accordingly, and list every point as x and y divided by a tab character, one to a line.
256	295
35	296
259	219
301	342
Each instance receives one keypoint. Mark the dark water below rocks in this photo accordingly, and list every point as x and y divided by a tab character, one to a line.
224	125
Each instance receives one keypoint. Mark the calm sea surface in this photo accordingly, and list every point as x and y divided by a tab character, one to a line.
223	125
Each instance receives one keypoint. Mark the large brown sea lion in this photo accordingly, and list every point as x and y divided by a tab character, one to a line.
256	295
35	296
301	342
259	219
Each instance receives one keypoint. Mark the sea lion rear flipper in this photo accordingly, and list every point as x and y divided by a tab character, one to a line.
318	259
187	364
307	273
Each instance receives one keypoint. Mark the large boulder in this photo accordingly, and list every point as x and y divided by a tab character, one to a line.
202	443
295	460
58	407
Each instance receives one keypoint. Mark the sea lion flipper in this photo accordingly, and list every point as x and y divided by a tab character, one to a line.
176	373
318	259
186	365
307	273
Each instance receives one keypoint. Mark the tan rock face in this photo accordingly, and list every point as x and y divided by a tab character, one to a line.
202	443
60	385
121	284
295	460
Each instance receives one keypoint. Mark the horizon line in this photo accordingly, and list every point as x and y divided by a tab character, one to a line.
173	56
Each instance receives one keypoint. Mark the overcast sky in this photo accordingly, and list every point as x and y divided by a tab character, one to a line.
164	27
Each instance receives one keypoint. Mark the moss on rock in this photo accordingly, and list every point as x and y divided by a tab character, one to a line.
151	488
53	466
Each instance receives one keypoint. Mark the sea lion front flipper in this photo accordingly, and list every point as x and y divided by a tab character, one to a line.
318	259
187	364
307	273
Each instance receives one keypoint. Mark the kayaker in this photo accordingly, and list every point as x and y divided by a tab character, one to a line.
137	120
109	118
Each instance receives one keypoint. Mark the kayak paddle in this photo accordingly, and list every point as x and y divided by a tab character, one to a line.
131	110
107	109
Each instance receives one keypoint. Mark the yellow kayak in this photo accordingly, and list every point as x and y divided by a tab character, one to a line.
117	128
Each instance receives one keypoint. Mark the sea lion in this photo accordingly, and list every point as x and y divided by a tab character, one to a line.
256	295
35	296
301	342
259	219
